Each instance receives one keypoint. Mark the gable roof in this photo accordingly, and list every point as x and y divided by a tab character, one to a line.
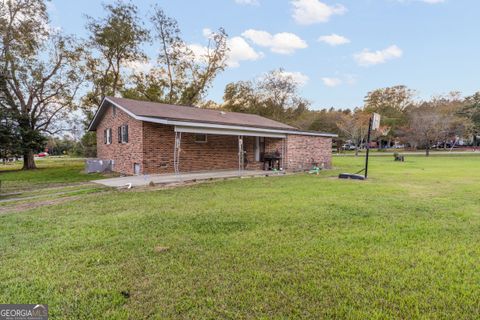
185	115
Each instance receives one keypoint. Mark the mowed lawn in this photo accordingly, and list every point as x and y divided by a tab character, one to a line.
404	244
52	172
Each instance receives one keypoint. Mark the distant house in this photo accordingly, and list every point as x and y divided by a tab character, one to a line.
142	137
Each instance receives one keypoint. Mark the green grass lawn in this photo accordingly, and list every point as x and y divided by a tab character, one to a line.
403	244
50	173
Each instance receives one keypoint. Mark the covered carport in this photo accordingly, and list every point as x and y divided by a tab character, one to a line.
240	133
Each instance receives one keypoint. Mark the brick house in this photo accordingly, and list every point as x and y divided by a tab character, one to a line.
142	137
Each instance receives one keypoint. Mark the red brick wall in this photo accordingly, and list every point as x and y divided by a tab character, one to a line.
124	155
218	153
303	150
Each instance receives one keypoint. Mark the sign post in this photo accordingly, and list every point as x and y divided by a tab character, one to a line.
373	124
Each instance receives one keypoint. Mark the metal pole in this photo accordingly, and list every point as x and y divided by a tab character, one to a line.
240	155
176	152
368	147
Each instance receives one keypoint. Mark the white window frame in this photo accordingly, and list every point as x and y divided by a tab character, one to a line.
123	128
109	135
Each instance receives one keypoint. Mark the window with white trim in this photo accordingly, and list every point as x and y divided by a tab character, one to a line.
123	134
200	138
107	136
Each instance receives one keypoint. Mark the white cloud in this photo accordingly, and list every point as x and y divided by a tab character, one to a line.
331	82
313	11
240	50
367	58
248	2
334	39
300	78
282	43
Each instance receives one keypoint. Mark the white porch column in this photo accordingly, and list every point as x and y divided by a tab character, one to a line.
176	152
284	153
240	155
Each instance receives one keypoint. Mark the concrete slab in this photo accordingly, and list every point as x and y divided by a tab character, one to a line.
165	179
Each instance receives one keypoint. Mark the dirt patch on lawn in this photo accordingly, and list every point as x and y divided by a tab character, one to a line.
32	205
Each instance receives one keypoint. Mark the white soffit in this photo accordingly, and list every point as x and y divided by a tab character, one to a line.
229	132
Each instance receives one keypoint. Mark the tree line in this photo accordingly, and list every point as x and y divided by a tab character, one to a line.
45	75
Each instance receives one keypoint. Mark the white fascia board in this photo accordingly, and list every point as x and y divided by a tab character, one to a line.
96	115
229	132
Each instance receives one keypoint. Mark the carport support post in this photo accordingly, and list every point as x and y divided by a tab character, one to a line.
368	147
240	155
176	152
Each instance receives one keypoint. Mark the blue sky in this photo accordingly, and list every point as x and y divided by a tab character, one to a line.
337	50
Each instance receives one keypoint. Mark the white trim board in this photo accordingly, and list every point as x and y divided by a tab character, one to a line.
231	132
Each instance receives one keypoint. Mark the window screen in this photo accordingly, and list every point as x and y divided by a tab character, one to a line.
123	134
200	138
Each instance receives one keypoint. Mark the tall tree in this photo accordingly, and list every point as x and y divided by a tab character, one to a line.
453	122
275	95
391	103
39	75
426	125
242	96
326	120
116	42
183	72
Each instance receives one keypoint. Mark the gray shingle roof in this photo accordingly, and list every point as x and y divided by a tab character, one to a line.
195	114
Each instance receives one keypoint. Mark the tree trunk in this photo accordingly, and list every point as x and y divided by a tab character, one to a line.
356	151
28	161
427	151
